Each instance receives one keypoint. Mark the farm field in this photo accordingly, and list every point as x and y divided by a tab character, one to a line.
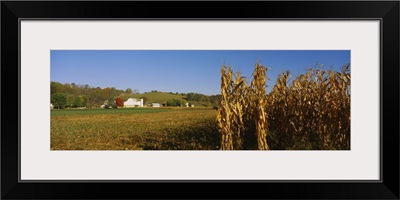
303	106
135	129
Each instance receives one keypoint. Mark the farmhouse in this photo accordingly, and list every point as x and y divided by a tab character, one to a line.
155	105
132	102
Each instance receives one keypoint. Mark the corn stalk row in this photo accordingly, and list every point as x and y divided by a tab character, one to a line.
310	112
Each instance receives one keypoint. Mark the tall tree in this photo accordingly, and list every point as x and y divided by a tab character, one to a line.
80	101
59	100
96	97
119	102
145	100
56	87
70	100
128	91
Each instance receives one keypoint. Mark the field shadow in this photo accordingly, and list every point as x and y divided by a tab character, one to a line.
198	138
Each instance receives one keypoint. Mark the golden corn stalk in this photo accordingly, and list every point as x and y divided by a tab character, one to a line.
258	102
230	113
224	116
242	108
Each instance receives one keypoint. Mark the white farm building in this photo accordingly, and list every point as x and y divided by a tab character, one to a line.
155	105
132	102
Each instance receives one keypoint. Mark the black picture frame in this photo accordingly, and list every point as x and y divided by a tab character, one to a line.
386	11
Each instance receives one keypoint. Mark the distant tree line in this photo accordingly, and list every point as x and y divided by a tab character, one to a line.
176	102
76	95
197	97
213	99
82	95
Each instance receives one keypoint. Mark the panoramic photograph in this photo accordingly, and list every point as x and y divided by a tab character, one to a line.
200	99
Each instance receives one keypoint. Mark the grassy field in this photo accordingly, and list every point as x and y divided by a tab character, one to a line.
68	112
135	129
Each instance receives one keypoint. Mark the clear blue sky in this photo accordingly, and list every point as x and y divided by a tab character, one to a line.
180	71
